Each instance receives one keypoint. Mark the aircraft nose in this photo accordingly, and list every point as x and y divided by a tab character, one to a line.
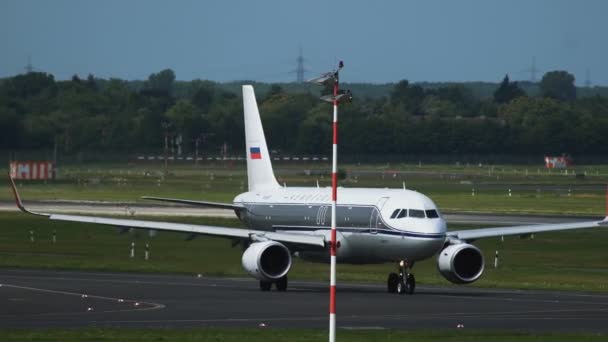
441	226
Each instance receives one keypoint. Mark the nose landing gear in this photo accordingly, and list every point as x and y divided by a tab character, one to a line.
403	282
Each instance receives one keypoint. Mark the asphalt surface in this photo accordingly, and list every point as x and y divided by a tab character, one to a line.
50	299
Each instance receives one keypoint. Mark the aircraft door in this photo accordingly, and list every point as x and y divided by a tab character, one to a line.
375	221
321	215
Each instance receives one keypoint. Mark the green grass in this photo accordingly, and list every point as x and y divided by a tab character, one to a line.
450	186
270	335
557	261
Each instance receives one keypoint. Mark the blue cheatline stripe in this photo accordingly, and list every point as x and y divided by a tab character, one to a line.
254	150
367	231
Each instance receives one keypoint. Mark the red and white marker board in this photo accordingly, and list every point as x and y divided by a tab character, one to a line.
32	170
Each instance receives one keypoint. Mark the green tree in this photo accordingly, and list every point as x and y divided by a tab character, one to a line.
187	120
558	85
409	96
161	81
282	114
11	128
203	97
507	91
541	125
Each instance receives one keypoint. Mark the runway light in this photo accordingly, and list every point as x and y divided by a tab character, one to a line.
120	300
84	296
262	325
460	326
199	275
136	304
89	309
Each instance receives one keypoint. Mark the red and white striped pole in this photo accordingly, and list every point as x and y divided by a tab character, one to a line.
334	198
333	79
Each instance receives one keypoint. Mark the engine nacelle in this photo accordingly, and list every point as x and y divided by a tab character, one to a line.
461	263
267	260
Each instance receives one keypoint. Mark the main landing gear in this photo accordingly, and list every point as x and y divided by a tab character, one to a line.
402	282
281	284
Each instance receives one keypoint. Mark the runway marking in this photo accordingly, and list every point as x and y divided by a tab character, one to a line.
153	306
463	294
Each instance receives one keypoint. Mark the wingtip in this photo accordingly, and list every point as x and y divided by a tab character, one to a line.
18	201
16	194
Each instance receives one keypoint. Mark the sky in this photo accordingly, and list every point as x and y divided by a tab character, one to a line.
379	41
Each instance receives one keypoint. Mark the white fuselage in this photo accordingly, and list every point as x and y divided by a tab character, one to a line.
374	225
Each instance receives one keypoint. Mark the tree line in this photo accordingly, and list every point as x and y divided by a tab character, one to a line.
92	114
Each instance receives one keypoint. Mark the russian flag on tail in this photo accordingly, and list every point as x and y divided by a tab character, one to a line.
255	153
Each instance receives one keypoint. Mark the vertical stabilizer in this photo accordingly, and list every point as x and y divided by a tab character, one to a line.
259	168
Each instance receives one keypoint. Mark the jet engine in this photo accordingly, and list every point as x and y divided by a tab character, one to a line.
461	263
267	260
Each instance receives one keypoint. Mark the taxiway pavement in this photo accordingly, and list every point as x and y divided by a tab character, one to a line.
48	299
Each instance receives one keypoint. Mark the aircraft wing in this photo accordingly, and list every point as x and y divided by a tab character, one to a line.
197	203
247	234
474	234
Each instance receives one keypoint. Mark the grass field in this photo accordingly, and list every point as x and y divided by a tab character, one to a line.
533	190
563	260
271	335
555	261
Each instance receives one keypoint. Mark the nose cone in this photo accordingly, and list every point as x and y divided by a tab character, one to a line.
426	226
441	226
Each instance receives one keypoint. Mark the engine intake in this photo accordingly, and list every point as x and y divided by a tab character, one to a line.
268	260
461	263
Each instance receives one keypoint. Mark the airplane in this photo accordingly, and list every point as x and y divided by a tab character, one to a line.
373	225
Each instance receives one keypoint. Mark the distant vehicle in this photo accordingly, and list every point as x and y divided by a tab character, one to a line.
373	225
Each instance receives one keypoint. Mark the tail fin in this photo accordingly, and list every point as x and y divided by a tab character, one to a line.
259	168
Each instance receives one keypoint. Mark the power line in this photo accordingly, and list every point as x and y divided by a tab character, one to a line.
29	68
533	70
300	70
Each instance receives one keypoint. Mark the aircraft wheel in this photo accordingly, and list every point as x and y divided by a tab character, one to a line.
281	284
265	285
410	284
391	282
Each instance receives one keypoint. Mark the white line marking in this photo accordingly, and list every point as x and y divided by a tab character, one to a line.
153	306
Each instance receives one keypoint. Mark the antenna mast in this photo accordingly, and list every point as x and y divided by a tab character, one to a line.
300	67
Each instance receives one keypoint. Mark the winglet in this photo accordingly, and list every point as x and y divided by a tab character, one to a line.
18	199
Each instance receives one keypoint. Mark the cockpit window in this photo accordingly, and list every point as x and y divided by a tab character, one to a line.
432	214
416	213
402	213
394	214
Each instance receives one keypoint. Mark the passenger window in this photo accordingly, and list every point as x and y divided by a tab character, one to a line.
402	214
394	214
432	214
416	213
